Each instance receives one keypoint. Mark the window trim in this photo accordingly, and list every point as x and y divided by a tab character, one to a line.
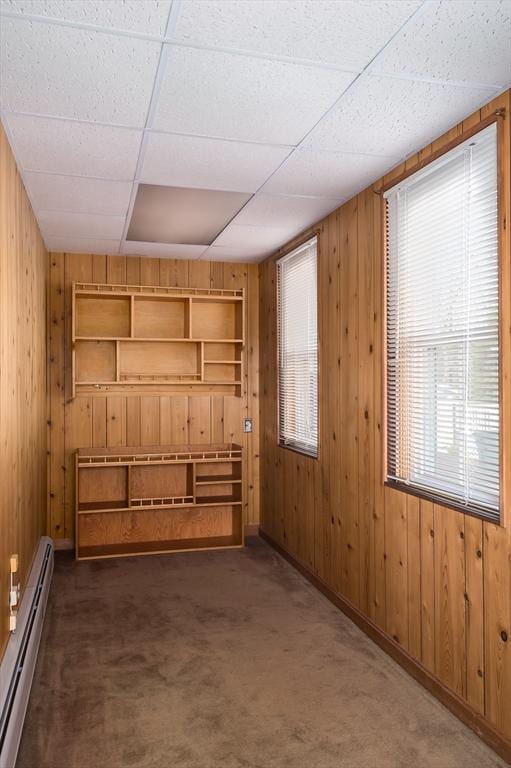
298	243
473	510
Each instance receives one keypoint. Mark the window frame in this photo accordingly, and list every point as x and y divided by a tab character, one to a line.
480	513
314	235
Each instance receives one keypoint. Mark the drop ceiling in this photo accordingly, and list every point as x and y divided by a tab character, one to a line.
295	104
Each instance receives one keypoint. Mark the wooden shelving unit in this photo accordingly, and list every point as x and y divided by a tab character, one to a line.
133	339
163	499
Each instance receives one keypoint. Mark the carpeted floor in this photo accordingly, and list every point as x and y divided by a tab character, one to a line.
222	660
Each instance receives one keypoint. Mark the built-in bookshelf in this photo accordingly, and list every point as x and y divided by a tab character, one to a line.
131	339
163	499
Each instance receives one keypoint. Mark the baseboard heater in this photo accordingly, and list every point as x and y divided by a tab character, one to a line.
18	664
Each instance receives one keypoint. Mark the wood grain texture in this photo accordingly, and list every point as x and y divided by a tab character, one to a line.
436	581
114	420
23	413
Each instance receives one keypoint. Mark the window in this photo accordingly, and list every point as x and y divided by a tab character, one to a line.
443	328
298	349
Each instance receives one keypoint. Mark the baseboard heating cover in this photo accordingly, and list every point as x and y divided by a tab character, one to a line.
18	664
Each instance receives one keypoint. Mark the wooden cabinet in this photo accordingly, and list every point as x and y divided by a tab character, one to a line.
131	339
161	499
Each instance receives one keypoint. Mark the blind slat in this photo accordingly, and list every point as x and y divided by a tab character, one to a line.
298	348
442	327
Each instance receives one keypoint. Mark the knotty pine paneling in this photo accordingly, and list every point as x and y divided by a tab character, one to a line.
23	415
117	420
436	581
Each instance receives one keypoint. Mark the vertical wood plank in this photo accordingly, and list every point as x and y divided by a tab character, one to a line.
474	612
450	643
427	559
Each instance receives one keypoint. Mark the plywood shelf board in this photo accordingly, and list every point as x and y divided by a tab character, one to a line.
92	289
161	547
217	479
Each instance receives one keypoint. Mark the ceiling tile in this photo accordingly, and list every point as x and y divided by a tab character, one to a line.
182	215
67	72
216	94
260	239
242	254
393	117
329	174
347	34
74	193
163	250
294	212
189	161
66	224
81	245
59	146
466	41
146	16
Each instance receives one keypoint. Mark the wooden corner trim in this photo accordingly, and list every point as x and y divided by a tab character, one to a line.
445	696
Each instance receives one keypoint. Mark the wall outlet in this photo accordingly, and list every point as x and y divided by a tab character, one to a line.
247	425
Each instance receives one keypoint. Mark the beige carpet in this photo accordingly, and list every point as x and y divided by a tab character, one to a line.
222	660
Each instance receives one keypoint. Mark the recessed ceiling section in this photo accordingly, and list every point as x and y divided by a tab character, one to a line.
182	215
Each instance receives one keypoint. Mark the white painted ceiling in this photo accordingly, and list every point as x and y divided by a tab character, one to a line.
301	103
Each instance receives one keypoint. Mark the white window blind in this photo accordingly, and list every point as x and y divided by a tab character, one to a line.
442	328
298	348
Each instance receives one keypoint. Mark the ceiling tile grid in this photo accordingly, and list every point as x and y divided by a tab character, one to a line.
70	224
191	161
301	103
81	245
143	16
224	95
79	194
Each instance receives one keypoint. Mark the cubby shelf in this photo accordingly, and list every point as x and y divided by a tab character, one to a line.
125	497
134	339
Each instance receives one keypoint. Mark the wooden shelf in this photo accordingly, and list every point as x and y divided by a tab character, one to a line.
159	547
159	340
216	479
211	501
129	500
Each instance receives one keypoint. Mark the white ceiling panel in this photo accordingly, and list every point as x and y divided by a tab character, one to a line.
466	41
293	212
190	161
84	149
163	250
346	34
74	193
67	72
329	174
81	245
393	117
241	254
256	238
146	16
67	224
211	93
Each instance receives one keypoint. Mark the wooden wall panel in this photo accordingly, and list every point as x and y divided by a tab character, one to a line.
23	379
436	581
117	420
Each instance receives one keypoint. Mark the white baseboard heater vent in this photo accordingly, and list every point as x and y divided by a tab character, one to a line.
18	664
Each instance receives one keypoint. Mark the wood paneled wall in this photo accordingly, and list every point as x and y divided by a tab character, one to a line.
436	581
23	282
113	420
